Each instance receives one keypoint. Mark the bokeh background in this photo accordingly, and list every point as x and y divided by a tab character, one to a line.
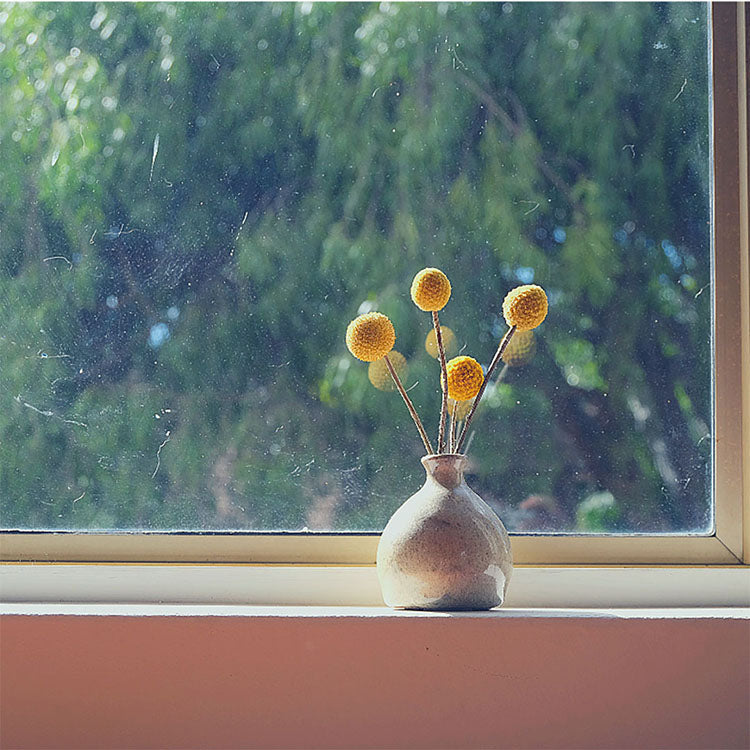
196	199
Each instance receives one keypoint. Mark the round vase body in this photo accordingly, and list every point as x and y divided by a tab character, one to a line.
444	548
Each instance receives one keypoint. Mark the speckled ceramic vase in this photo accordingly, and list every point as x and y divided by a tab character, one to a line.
444	548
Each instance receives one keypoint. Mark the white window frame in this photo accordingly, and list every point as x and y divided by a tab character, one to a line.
727	547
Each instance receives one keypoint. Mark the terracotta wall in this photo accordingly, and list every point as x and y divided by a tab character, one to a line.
269	682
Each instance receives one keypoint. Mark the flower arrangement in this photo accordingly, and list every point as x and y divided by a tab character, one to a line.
371	338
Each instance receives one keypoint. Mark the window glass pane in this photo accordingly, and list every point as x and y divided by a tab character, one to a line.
198	198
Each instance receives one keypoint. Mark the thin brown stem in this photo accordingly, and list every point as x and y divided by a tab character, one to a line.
498	354
443	381
409	406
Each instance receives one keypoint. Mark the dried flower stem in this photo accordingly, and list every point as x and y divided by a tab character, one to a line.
498	354
409	406
444	381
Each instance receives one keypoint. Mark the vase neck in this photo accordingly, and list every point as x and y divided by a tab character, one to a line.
446	469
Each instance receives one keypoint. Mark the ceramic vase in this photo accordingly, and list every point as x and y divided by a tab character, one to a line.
444	548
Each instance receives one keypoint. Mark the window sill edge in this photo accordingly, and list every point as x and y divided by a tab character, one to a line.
346	587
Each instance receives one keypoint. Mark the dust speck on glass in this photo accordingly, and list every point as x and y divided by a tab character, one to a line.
198	198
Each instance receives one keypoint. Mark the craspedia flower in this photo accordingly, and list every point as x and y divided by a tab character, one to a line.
525	307
465	378
462	408
379	375
370	336
430	289
449	342
520	350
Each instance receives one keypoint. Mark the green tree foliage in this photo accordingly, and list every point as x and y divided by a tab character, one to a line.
198	198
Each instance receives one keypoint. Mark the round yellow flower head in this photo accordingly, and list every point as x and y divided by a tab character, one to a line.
520	350
525	307
379	375
430	289
462	408
465	378
370	336
449	342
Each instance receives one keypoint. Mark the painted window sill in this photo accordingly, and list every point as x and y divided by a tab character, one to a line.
351	590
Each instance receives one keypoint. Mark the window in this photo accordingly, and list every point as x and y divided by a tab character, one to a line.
200	197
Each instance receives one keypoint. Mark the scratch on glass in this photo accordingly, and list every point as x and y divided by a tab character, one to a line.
60	257
43	355
153	157
48	413
158	454
532	209
239	229
679	93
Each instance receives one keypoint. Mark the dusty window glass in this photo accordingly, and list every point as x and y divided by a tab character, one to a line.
197	199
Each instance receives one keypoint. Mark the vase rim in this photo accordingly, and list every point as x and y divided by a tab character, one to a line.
433	460
446	469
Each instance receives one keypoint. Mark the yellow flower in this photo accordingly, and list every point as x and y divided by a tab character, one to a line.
465	378
525	307
379	375
462	408
430	289
520	350
370	336
449	342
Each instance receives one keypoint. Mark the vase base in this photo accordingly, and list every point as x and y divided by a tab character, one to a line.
445	609
451	604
